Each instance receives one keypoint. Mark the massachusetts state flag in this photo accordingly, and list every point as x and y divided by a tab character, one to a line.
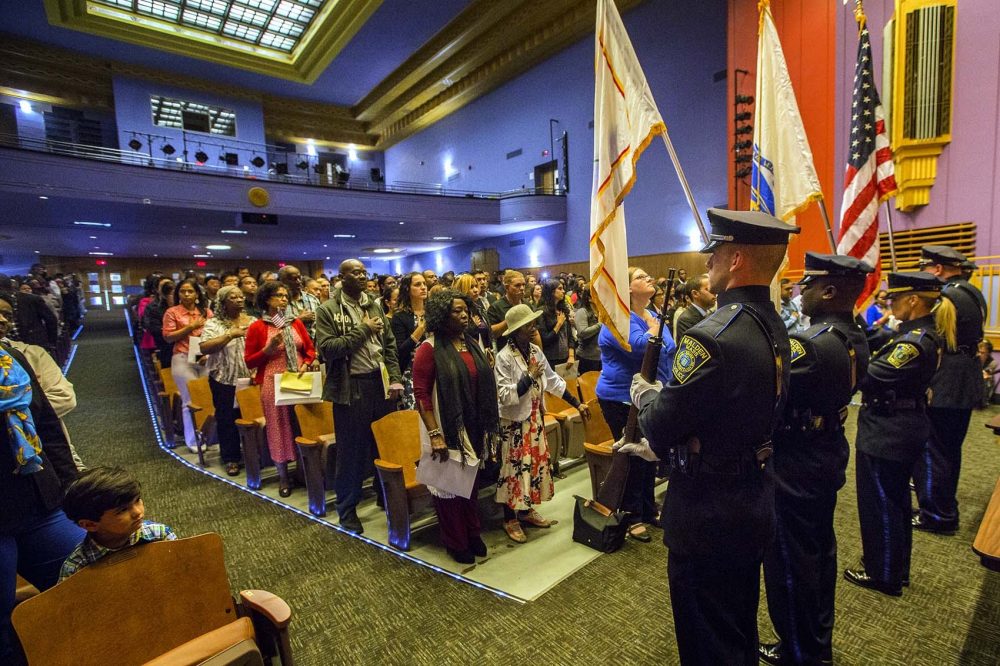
784	180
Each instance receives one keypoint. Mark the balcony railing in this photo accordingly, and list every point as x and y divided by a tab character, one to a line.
268	172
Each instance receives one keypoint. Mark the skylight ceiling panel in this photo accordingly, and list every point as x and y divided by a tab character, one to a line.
201	20
287	28
241	31
249	16
263	5
294	11
217	7
165	9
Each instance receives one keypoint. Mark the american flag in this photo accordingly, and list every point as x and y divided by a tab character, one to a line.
870	178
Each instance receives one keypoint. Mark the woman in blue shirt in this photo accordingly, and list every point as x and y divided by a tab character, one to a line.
613	395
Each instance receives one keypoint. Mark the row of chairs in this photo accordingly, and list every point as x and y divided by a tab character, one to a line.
397	437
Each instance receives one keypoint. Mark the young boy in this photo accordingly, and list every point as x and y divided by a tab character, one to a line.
107	502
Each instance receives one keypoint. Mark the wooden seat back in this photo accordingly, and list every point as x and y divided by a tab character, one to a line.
169	385
587	383
251	407
201	399
158	595
598	430
397	436
315	421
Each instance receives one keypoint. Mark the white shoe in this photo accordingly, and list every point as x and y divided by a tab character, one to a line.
193	449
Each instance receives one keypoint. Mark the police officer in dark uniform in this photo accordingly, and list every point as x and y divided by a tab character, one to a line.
713	423
893	428
955	392
810	461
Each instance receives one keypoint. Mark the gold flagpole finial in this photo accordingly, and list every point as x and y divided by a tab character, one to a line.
859	14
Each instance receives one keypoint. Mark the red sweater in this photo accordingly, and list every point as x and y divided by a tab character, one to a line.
254	355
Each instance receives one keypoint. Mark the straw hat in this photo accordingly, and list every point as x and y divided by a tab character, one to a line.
518	316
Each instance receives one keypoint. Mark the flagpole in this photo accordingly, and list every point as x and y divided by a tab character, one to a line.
892	244
826	222
685	185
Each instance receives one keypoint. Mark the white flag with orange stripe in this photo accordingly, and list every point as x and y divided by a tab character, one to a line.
625	121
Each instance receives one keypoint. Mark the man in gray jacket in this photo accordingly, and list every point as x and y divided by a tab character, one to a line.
363	381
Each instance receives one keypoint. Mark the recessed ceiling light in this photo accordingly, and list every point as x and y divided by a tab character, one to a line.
234	231
218	247
102	254
37	252
43	198
442	238
81	223
402	222
328	258
364	257
156	255
93	237
202	256
384	250
303	253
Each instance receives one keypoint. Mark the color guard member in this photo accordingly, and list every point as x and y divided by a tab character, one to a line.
955	392
810	461
713	422
893	428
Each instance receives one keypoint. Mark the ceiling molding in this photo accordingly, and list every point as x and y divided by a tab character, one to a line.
485	46
328	34
510	53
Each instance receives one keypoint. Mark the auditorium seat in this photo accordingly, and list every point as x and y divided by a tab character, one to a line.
597	445
202	414
572	431
316	445
587	383
24	590
397	436
170	407
167	602
251	427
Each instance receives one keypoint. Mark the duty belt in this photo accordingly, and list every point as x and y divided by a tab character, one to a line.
881	402
688	459
807	421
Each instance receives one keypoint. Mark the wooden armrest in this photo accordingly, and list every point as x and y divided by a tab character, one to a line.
305	441
245	423
207	645
193	407
558	416
388	466
602	449
569	413
327	440
269	605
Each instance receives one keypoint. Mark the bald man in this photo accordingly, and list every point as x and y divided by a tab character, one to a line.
363	382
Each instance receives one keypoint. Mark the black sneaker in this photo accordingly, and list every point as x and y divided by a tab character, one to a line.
461	556
478	547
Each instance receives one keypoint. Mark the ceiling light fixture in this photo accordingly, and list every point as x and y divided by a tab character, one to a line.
342	236
201	256
385	250
91	224
235	231
102	254
442	238
218	247
43	197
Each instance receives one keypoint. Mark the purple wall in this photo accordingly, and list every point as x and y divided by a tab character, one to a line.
133	114
680	46
967	188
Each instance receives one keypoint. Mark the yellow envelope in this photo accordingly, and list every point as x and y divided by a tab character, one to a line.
290	381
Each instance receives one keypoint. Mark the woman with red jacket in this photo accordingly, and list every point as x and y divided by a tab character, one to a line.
274	345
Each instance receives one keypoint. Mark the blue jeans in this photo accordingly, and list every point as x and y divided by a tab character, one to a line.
36	551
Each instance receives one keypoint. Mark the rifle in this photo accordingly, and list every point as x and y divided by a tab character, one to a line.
613	487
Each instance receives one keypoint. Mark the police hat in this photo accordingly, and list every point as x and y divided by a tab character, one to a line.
941	254
969	265
834	265
747	228
912	281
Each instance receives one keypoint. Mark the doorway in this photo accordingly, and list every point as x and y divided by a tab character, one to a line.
545	178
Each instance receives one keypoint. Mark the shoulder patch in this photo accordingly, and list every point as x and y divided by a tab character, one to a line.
798	351
690	356
902	354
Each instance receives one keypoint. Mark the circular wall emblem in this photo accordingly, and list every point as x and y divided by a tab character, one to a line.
258	196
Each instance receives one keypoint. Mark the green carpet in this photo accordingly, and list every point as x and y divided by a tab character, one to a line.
355	604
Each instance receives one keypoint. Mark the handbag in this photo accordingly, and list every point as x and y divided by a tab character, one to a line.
598	527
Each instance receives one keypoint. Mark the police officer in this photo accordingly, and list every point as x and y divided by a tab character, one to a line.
810	461
955	391
893	428
713	422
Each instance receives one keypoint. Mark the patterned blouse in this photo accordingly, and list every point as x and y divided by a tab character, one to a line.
89	551
226	365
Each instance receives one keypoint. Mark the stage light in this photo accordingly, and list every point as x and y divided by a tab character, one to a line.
135	144
201	157
26	106
258	161
168	149
302	166
218	247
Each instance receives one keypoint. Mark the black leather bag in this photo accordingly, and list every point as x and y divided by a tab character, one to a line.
597	526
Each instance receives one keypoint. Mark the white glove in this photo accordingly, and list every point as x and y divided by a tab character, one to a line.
640	449
640	387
